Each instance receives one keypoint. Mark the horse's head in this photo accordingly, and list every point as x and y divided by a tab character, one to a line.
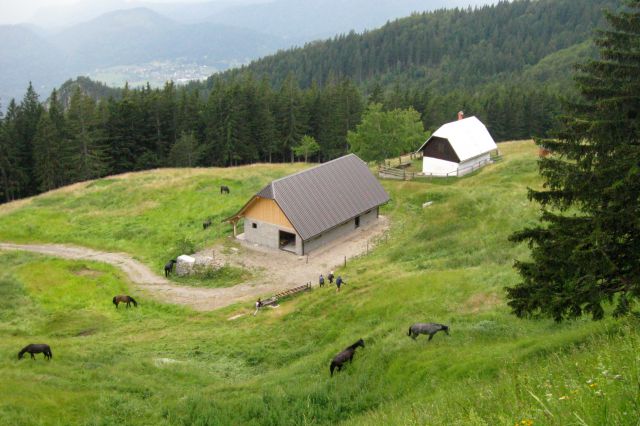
445	328
360	343
20	354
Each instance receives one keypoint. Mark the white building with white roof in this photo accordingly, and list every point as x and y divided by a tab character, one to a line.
457	148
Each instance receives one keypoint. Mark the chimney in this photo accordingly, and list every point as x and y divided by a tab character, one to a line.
460	115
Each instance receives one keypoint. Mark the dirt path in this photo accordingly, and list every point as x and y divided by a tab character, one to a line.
280	270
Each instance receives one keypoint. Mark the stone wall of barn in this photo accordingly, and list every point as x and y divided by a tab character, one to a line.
265	233
340	231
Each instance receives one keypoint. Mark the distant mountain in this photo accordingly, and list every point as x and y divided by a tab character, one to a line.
141	35
126	37
26	56
62	16
178	41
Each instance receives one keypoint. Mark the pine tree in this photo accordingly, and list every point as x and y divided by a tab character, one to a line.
26	124
292	115
47	167
586	250
86	138
186	152
14	173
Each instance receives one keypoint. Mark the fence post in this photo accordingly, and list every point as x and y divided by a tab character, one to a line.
345	261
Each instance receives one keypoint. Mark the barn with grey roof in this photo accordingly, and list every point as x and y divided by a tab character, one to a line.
304	211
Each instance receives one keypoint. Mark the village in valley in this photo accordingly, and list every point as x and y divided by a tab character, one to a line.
415	224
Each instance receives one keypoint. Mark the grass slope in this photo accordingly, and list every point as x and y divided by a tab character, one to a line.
154	215
161	364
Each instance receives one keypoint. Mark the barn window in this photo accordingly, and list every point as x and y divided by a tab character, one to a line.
254	225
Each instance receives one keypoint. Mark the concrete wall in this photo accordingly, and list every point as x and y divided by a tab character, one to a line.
339	231
266	234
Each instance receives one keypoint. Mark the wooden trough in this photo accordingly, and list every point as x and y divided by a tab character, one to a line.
286	293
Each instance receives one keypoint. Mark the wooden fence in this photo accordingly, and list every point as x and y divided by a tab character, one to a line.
386	172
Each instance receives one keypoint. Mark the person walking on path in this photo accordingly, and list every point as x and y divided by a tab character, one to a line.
258	306
321	280
330	276
338	283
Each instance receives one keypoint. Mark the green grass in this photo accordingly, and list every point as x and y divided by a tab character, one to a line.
162	364
155	215
226	276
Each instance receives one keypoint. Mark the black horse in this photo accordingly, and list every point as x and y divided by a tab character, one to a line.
224	189
124	299
206	223
168	268
344	356
36	348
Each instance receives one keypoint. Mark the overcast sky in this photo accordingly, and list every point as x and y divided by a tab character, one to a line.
17	11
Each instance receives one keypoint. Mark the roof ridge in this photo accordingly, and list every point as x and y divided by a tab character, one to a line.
313	168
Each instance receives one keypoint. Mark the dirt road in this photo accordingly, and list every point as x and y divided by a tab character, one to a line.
280	270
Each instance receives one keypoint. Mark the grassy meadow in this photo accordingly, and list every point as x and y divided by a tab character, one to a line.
153	215
166	365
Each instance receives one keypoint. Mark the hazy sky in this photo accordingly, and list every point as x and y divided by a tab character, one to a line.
16	11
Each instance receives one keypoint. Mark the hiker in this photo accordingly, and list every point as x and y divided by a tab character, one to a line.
330	276
338	283
258	306
321	280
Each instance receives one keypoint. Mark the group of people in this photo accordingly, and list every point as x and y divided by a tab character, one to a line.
330	277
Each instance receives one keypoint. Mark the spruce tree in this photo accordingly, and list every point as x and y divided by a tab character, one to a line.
586	249
86	137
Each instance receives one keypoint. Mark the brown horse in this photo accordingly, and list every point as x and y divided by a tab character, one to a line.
124	299
344	356
36	348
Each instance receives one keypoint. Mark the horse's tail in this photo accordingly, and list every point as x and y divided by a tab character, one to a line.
409	332
134	301
50	353
114	301
332	367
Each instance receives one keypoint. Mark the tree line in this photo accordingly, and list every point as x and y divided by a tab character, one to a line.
45	145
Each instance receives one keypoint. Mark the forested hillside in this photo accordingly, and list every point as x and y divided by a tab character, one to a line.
508	64
446	49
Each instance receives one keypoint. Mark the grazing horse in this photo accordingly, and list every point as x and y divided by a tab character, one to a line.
36	349
206	223
124	299
224	190
168	268
429	328
344	356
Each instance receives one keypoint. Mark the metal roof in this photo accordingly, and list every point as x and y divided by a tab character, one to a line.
468	138
318	199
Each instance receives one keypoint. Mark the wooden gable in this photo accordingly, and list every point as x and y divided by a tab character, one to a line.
266	210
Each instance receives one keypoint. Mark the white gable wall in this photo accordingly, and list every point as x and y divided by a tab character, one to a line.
435	167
